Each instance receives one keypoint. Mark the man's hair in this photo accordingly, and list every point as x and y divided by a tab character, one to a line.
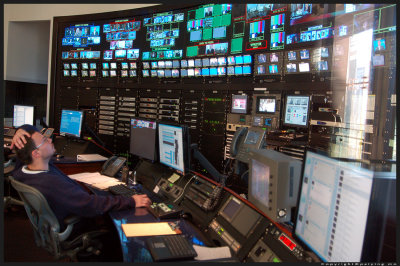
25	154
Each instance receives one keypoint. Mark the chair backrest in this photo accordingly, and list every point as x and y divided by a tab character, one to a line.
45	224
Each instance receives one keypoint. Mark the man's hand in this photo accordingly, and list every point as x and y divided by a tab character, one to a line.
19	139
141	200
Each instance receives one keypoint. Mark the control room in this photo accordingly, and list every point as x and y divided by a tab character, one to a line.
200	132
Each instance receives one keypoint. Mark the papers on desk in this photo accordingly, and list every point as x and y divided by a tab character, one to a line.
206	253
96	180
148	229
90	158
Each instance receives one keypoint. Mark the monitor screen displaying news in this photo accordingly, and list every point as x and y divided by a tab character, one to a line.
23	115
71	123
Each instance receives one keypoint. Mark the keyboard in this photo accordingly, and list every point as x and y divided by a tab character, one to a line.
122	190
170	247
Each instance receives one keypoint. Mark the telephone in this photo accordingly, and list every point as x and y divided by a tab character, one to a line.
237	140
112	166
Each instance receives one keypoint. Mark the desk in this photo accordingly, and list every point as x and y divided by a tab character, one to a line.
70	166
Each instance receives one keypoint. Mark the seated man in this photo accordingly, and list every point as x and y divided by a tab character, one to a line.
64	195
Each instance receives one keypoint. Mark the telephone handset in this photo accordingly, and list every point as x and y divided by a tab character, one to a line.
237	140
113	165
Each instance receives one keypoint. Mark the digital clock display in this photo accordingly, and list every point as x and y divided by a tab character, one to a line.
285	240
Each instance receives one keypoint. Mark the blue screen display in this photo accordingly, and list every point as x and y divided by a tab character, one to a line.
71	123
213	71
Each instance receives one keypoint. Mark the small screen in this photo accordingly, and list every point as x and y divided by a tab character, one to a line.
292	55
168	64
247	59
71	123
261	58
132	73
206	62
205	71
175	73
213	62
231	60
221	71
273	58
66	73
239	104
124	73
197	72
291	68
154	64
23	115
124	65
190	63
184	72
92	73
379	45
85	66
171	141
74	73
146	65
246	70
133	65
238	70
74	66
296	110
266	104
113	65
153	73
304	54
104	73
213	71
273	69
230	70
190	72
160	73
221	61
184	63
66	66
106	66
161	64
260	70
145	73
304	67
198	63
324	52
175	64
84	73
113	73
143	138
239	60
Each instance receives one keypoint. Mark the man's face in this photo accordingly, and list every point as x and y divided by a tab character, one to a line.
45	146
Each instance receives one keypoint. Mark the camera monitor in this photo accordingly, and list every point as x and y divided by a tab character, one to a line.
23	115
265	104
239	104
71	123
142	140
296	110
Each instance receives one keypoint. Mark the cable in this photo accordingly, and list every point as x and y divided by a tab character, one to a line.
184	188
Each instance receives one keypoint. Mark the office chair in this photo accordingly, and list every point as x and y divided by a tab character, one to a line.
8	168
46	227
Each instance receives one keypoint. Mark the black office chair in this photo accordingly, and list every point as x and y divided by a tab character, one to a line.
46	227
9	165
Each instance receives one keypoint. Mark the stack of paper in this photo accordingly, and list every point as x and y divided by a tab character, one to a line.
96	179
90	158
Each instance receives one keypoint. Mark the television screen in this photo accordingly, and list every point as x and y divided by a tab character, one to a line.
120	53
113	73
265	104
379	44
184	63
238	70
184	72
219	33
378	60
124	65
213	71
230	70
262	58
247	59
324	52
143	138
124	73
291	55
239	60
231	60
304	67
74	73
132	73
168	73
85	66
273	58
205	71
239	104
74	66
66	66
291	68
161	64
133	65
246	70
197	72
175	73
175	64
221	61
197	63
273	69
153	73
113	65
146	65
304	54
84	73
160	73
104	73
261	70
66	73
92	73
213	61
221	71
190	72
168	64
108	55
191	63
322	66
154	64
145	73
195	36
206	62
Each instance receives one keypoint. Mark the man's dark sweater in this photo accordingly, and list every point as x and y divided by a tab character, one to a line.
65	196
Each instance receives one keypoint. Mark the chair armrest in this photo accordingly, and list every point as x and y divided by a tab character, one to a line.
72	219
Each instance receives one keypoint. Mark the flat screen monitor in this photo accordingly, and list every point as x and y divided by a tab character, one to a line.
161	64
145	73
168	64
175	64
74	66
231	60
262	58
191	63
213	71
146	65
291	55
71	123
304	67
304	54
113	65
66	73
230	70
173	145
273	58
142	140
184	63
296	110
205	71
132	73
197	63
197	72
184	72
106	66
23	114
273	69
239	104
333	207
133	65
206	62
238	70
246	70
175	73
265	104
113	73
93	65
85	66
124	65
190	72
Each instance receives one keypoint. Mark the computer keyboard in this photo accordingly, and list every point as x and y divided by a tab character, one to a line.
170	247
123	190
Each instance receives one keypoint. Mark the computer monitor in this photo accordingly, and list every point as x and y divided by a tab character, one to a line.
23	114
142	140
274	179
173	146
296	110
71	123
333	207
265	104
239	104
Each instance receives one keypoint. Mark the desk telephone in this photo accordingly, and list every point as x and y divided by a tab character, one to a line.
112	166
244	140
